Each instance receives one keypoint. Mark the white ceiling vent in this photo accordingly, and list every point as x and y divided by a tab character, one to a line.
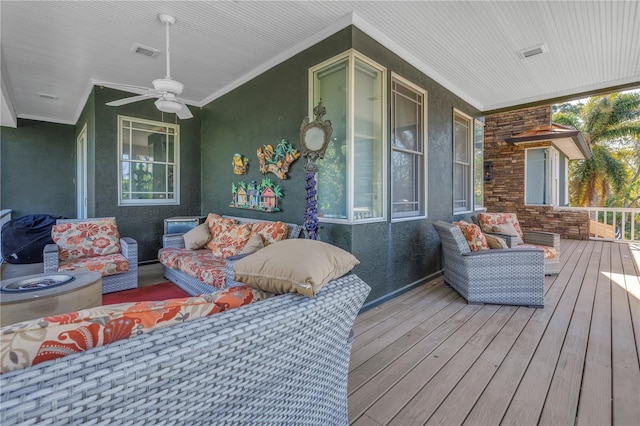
533	51
145	50
47	96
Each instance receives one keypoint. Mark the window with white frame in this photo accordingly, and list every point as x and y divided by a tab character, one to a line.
478	165
462	162
542	177
408	142
352	176
148	166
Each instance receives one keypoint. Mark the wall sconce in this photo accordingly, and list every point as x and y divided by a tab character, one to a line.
488	171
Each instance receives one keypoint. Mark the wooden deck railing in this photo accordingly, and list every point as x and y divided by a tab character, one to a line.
611	224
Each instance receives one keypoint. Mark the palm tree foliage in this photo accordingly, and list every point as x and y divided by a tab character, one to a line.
610	124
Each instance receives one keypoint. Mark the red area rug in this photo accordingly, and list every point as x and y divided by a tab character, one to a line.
162	291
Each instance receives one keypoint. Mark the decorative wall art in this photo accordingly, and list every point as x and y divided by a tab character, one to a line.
240	164
277	160
253	196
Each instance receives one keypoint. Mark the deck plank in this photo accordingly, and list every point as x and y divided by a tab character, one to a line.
526	406
430	396
561	402
626	372
464	396
378	385
397	397
496	398
595	401
429	358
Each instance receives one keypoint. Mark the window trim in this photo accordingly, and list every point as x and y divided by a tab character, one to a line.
352	55
424	201
469	180
176	164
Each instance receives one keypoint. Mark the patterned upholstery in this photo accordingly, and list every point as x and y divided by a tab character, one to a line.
206	275
199	264
109	264
549	242
44	339
92	245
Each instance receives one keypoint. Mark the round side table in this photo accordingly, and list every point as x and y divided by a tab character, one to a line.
34	296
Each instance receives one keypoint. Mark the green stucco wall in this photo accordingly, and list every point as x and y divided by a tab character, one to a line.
143	223
37	161
394	256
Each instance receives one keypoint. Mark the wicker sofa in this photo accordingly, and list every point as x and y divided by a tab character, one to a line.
283	360
191	284
114	277
507	276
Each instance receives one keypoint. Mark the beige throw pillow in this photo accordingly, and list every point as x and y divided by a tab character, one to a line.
495	242
197	238
508	228
255	243
294	266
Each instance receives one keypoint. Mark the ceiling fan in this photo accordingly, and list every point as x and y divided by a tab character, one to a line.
166	90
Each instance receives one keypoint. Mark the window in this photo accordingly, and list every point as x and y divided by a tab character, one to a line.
542	177
351	177
408	138
462	162
478	165
468	159
148	167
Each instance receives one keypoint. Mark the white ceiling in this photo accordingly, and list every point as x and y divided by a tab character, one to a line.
62	47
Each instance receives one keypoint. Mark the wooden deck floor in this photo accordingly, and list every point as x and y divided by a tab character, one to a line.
427	357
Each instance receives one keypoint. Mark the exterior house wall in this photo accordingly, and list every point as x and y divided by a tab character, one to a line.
505	192
394	255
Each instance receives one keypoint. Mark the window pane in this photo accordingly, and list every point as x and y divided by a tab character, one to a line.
535	179
148	171
478	165
330	85
407	162
461	142
367	196
459	187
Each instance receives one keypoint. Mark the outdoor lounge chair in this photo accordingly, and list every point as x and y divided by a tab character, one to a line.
94	245
501	276
549	242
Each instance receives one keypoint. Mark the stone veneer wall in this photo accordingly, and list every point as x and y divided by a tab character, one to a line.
505	192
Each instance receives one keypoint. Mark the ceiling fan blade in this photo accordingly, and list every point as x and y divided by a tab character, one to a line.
130	100
184	113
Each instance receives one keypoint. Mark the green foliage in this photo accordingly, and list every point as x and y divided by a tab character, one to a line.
611	125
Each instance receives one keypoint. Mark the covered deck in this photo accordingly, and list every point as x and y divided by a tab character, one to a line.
427	357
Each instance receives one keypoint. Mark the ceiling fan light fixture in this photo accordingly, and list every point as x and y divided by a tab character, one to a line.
168	106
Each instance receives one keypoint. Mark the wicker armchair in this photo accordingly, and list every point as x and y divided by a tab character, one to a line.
505	276
110	283
547	241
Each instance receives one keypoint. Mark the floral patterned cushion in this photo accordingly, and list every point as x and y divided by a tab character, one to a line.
549	252
474	236
230	240
215	223
199	264
44	339
488	220
270	232
110	264
86	239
